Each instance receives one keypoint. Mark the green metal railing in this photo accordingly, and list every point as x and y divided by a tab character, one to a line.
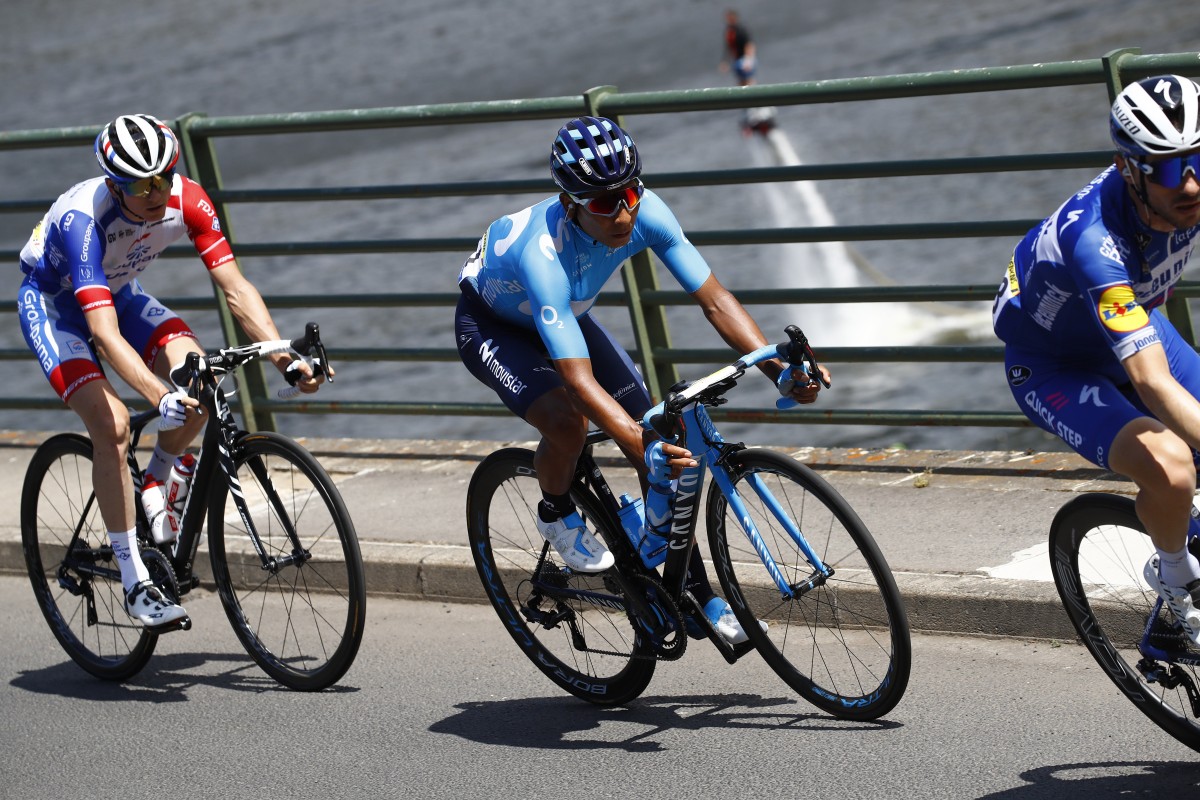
644	300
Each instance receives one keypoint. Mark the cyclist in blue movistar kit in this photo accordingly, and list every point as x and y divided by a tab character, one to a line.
80	302
1090	357
524	328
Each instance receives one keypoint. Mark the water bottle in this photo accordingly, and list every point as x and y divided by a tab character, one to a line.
164	527
633	518
179	483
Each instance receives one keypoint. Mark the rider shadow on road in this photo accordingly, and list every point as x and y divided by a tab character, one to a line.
1105	779
166	679
556	722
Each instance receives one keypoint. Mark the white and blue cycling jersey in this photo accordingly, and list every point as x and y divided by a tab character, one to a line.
1081	295
538	270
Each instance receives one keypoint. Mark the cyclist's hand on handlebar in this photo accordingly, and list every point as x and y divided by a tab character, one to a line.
796	384
665	461
299	373
173	408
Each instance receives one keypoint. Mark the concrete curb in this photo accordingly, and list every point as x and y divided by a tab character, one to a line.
956	604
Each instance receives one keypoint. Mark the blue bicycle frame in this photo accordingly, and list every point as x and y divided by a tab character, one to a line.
685	410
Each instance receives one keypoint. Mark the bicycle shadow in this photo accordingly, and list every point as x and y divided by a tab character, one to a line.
1106	779
166	679
556	722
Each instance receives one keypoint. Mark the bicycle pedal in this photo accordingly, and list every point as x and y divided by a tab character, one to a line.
182	624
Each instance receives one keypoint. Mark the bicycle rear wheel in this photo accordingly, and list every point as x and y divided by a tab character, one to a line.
1098	549
586	648
75	579
843	645
301	620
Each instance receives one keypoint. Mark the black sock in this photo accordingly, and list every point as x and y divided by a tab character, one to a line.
554	506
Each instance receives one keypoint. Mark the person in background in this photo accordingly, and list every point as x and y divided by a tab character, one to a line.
740	54
525	329
80	303
1089	355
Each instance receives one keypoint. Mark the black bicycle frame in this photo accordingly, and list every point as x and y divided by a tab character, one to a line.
221	438
681	541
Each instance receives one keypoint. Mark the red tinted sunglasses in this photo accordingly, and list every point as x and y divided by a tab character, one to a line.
609	204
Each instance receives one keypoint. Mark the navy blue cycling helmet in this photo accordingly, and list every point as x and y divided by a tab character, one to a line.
1157	116
592	154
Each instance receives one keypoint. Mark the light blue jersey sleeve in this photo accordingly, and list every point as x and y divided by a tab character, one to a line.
663	233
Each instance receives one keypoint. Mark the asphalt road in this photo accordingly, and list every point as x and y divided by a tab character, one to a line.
441	704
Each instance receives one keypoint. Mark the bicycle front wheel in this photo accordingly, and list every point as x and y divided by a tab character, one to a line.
75	578
299	609
584	646
1098	549
843	644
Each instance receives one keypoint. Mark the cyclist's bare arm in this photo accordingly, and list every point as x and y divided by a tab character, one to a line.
739	330
608	415
1172	404
248	308
113	348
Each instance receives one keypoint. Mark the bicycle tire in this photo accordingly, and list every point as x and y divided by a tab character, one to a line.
501	504
844	645
1098	548
302	624
56	500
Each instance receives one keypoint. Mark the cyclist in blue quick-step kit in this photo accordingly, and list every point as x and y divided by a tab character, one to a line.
524	328
80	302
1089	355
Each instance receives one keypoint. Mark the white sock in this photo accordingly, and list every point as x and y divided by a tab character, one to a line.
124	545
1178	569
160	463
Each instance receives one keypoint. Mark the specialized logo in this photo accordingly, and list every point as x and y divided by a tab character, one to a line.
1091	394
1120	311
1018	374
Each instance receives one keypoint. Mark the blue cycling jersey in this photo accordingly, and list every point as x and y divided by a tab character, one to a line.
537	269
1082	295
1081	285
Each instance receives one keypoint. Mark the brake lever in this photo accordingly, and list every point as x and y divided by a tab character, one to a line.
800	351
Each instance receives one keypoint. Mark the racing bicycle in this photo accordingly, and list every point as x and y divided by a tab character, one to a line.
283	549
1098	550
787	549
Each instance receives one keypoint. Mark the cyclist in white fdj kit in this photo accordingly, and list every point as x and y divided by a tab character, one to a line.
80	302
1090	357
525	329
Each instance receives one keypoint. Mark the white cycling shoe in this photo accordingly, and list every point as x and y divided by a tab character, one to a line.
146	603
1181	600
575	544
719	613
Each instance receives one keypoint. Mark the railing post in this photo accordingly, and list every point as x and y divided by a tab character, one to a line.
201	159
649	323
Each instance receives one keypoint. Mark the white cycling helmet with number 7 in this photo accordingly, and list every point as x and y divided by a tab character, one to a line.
1157	116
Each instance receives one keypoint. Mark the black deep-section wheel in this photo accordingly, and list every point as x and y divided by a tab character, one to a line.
586	648
843	645
302	619
1098	550
75	578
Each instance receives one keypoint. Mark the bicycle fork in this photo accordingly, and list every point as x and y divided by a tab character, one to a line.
790	591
